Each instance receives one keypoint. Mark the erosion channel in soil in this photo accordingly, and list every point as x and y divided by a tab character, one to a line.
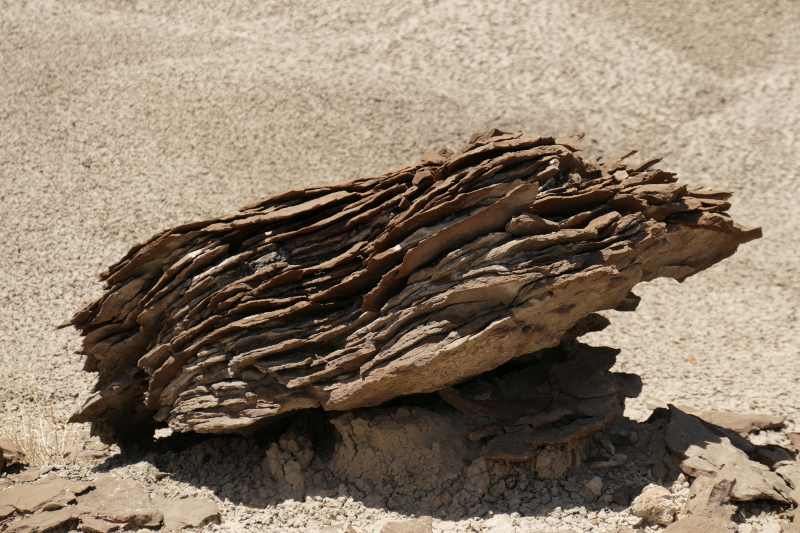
431	314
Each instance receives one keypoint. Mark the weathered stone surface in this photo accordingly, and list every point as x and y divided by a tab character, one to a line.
352	294
771	454
6	511
107	504
654	505
704	523
705	453
595	486
11	454
741	423
710	495
121	501
31	474
423	524
790	472
43	521
790	528
287	461
96	525
48	495
794	439
182	513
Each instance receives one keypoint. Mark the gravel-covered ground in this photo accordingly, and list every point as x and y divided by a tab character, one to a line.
122	118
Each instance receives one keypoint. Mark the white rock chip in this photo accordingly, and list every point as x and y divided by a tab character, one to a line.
655	505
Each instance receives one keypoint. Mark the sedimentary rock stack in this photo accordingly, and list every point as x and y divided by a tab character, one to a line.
352	294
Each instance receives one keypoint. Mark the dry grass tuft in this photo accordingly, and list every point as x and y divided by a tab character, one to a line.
45	438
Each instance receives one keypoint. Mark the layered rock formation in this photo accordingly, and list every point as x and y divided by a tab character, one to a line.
413	281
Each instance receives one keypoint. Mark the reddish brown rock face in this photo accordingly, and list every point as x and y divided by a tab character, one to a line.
353	294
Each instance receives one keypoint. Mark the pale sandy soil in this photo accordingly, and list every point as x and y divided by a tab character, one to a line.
119	119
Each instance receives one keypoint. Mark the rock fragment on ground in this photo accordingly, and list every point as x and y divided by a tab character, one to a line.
771	454
97	525
420	525
595	486
742	423
350	295
46	495
790	472
30	474
710	495
706	453
11	454
185	512
615	461
702	523
790	528
121	501
44	521
654	506
794	439
727	468
106	504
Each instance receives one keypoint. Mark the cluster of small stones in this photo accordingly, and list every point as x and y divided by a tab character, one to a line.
350	295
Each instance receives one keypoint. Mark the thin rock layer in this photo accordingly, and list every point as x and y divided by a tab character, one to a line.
352	294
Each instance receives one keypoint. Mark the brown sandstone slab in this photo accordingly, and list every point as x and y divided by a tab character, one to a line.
742	423
705	453
52	494
31	474
423	524
706	524
710	495
183	513
790	472
96	525
120	501
44	521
